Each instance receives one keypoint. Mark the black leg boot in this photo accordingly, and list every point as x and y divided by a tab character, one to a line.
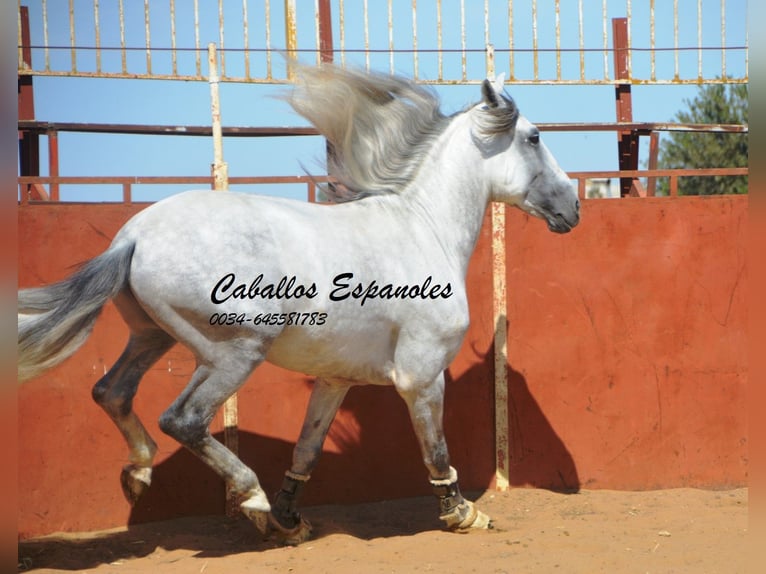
290	526
459	514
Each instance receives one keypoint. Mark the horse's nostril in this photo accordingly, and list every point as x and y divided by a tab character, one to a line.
577	204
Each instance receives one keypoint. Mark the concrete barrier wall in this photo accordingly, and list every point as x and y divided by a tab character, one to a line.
627	369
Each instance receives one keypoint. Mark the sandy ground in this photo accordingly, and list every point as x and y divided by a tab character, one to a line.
665	531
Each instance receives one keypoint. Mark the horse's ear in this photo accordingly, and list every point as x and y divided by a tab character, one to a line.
492	91
489	95
502	112
498	83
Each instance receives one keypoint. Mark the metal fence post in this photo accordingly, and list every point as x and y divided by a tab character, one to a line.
221	183
500	320
627	141
219	167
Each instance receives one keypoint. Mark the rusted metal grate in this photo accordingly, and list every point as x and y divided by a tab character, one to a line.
434	41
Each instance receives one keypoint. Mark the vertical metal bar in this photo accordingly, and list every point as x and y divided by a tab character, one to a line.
317	39
535	55
267	18
677	71
723	39
98	36
197	51
127	195
653	72
53	162
123	51
391	68
26	105
463	59
581	39
342	35
500	346
627	141
366	35
606	40
490	59
439	52
629	12
221	48
557	9
173	53
147	34
654	147
311	192
291	37
500	320
45	35
415	39
511	55
220	175
20	41
73	51
29	142
246	38
325	31
221	182
699	39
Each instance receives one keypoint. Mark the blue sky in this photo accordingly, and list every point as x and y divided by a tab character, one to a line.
188	102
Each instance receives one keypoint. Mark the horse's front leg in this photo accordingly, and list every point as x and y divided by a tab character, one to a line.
425	403
326	398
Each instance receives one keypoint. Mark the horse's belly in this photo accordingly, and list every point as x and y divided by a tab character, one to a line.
360	357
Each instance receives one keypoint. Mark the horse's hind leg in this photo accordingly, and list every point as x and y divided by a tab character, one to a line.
115	392
188	419
326	397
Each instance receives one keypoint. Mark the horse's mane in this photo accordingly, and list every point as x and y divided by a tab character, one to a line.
379	127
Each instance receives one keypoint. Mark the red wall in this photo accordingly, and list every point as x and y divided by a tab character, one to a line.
627	369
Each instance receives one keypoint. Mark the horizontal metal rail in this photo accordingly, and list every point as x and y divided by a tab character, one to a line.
643	128
28	184
582	177
33	184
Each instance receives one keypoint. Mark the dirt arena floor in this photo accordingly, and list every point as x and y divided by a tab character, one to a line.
665	531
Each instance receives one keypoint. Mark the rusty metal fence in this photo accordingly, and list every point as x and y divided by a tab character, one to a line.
434	41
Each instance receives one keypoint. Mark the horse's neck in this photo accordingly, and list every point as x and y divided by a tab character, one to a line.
448	195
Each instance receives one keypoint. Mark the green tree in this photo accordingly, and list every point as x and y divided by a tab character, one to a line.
714	104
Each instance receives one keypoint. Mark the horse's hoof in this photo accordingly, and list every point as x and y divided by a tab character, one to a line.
258	518
466	518
291	536
134	481
257	509
481	522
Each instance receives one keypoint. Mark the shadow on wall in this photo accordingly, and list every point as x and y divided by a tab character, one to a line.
377	456
538	457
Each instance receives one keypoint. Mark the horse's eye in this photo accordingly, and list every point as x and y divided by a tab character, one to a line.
534	138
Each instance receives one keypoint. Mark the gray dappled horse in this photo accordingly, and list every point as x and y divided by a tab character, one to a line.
367	290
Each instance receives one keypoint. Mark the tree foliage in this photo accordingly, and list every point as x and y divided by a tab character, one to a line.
714	104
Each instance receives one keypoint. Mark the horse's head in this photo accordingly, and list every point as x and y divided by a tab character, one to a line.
520	169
